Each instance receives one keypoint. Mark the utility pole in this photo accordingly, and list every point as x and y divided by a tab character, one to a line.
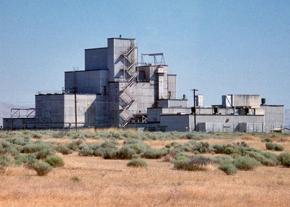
194	107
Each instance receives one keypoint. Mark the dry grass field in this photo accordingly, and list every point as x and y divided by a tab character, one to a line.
94	181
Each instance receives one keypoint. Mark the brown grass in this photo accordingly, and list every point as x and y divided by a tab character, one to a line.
111	183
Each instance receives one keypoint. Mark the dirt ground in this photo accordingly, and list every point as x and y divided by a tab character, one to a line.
93	181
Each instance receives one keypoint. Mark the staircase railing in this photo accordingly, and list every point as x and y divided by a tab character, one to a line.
126	100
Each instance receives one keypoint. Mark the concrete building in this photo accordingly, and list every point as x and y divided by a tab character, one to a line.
115	90
237	113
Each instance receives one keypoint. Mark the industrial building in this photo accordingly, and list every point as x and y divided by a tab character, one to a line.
117	90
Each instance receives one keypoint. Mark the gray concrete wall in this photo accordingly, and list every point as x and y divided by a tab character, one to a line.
86	110
96	58
228	123
87	82
274	117
143	94
171	81
19	123
117	47
175	103
49	111
175	122
114	109
162	84
58	111
153	114
241	100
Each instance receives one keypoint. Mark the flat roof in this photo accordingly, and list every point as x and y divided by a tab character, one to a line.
96	48
207	115
272	105
77	71
121	38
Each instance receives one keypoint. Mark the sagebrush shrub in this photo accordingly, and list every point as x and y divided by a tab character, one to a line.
192	164
285	159
36	147
228	167
245	163
42	168
54	161
63	149
43	153
154	153
265	158
86	150
274	146
126	152
74	145
137	163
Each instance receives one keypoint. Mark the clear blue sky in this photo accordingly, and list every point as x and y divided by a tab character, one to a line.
216	46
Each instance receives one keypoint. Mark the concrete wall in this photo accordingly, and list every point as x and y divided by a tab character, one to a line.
49	111
153	114
19	123
143	94
253	101
114	109
229	123
213	123
86	111
171	81
168	103
58	111
87	82
96	58
117	47
162	87
274	117
175	122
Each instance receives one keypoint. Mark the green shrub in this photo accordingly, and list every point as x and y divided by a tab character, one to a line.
107	150
201	147
245	163
219	149
267	140
63	149
137	163
228	167
36	147
19	141
54	161
191	164
75	145
137	145
24	159
154	153
285	159
75	179
126	152
223	159
42	168
274	146
5	161
265	158
86	150
8	148
42	154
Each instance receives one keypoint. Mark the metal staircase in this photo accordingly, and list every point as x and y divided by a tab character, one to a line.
130	75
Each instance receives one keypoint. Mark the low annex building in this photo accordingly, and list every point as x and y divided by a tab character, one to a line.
115	90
